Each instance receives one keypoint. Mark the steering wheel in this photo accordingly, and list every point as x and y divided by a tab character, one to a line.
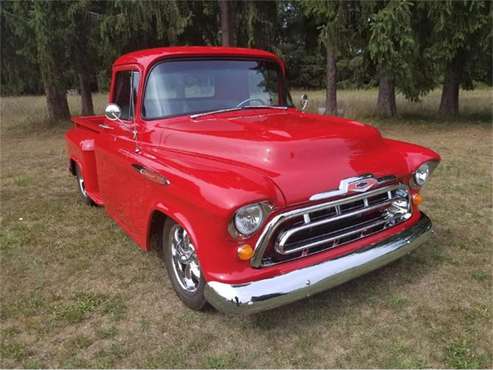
249	100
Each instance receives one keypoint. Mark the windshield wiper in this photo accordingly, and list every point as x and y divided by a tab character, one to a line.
282	107
238	108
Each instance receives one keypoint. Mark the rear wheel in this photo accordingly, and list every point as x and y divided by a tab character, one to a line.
82	187
182	264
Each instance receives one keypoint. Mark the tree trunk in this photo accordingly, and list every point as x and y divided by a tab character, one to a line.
227	26
47	17
87	107
386	105
56	101
449	103
331	91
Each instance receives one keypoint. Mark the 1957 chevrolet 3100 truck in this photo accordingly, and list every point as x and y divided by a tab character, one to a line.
250	202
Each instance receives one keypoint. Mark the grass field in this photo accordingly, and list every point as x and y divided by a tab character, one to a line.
77	292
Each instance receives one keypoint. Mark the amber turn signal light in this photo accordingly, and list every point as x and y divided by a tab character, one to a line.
245	252
417	199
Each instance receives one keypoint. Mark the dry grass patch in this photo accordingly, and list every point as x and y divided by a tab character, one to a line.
76	292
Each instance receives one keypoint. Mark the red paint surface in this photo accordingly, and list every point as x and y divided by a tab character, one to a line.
217	163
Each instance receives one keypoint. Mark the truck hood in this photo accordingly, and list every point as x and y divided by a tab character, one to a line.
303	154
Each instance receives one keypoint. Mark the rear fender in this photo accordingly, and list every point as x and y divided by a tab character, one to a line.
80	150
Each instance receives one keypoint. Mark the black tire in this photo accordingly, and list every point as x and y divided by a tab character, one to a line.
194	299
80	185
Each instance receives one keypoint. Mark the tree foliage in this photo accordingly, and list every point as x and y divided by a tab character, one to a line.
49	22
337	28
132	25
19	64
392	43
402	46
461	49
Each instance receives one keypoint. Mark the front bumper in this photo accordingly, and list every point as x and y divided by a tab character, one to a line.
266	294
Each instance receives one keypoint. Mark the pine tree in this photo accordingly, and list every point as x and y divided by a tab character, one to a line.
334	19
227	22
132	25
461	46
82	49
49	23
391	47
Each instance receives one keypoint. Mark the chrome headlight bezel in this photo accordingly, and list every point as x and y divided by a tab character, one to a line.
422	174
259	211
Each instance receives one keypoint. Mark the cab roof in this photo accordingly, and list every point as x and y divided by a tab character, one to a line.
147	57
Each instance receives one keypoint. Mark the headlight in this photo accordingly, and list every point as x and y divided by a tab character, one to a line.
249	218
422	174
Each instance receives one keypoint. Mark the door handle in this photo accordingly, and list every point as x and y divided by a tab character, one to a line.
151	175
102	125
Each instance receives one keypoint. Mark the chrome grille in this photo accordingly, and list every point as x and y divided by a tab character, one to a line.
309	230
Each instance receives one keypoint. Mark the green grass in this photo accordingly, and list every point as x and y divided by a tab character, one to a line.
474	106
463	355
77	292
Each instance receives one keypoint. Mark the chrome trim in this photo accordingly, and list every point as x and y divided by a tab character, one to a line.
197	115
270	228
387	221
287	234
344	186
267	294
184	259
304	102
113	112
331	239
225	110
151	175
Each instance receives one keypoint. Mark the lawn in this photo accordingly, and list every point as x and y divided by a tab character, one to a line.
77	292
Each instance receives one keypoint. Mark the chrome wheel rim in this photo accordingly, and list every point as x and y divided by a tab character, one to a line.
184	259
82	185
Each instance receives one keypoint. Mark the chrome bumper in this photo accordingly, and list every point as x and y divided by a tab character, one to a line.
266	294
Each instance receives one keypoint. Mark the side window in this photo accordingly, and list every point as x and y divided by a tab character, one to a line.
123	80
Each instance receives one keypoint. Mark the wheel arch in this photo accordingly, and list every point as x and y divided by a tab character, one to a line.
71	166
73	163
158	216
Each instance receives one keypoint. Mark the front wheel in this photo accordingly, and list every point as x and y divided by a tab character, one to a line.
182	264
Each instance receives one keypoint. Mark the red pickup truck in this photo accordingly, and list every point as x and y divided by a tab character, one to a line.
250	202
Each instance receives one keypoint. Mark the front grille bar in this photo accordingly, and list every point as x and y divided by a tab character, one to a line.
286	235
272	226
360	230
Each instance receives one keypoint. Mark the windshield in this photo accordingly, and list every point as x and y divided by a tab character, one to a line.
196	86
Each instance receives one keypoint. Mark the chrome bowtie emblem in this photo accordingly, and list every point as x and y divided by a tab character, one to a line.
360	186
350	185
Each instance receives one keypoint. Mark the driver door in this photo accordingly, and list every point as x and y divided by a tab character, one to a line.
116	150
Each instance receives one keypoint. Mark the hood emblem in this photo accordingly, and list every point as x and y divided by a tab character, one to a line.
351	185
361	185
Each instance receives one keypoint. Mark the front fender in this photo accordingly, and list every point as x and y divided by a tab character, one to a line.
202	196
412	154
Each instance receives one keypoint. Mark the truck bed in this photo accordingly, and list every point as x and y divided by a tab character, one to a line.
89	122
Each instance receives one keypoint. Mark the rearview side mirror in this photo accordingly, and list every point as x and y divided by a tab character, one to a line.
113	112
304	102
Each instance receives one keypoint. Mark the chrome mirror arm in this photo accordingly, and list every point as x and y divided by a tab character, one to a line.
132	109
304	102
